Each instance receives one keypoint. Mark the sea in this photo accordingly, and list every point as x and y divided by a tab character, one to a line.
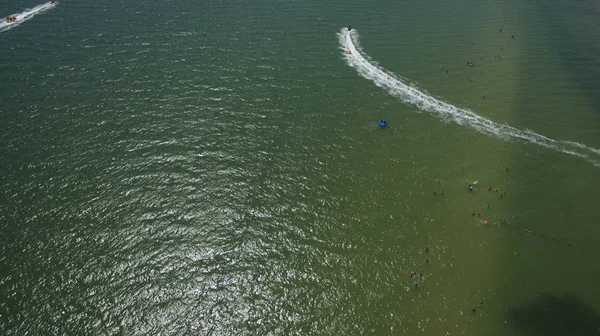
216	167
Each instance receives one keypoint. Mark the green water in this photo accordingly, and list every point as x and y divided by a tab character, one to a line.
216	168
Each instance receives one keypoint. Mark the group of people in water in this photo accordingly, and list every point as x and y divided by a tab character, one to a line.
419	277
468	62
414	275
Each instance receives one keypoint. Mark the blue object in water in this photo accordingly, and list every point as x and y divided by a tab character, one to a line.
383	122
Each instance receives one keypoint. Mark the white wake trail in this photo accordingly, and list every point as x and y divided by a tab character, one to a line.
25	15
397	87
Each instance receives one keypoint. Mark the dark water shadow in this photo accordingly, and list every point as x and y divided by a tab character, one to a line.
577	57
551	315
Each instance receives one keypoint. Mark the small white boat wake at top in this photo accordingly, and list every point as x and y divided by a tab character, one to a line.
14	20
399	88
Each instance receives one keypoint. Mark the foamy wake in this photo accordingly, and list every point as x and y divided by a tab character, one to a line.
24	16
397	87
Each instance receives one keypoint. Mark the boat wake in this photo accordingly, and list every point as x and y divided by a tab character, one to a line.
24	16
400	88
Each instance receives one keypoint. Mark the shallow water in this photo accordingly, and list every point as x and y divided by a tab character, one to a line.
217	168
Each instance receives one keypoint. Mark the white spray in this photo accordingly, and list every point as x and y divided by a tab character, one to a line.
24	16
397	87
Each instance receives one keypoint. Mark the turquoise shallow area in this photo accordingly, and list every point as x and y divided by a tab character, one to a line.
216	168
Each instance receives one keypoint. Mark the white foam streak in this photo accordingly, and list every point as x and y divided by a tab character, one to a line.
398	87
24	16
